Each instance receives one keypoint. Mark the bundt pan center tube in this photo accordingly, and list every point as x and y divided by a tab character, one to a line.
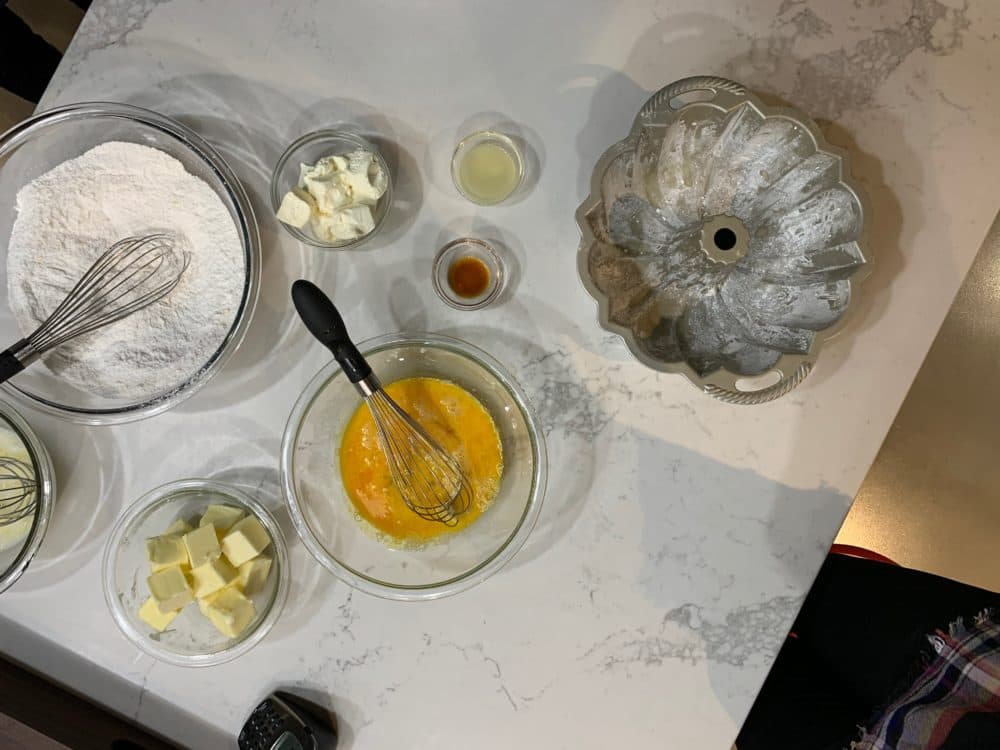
723	240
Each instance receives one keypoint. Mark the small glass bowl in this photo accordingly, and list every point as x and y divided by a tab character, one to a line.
475	139
468	247
190	640
325	518
15	559
309	149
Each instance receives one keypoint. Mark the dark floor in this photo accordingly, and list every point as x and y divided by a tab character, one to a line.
56	21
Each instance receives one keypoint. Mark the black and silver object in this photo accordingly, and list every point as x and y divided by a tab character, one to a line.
132	274
429	479
286	722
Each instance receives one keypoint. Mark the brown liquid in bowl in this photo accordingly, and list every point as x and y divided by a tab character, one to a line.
468	277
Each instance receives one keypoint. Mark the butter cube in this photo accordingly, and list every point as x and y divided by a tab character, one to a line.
170	589
204	602
152	616
247	539
230	611
212	576
222	517
253	574
165	551
180	526
202	545
296	208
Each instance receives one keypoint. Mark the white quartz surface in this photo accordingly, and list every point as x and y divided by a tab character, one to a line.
679	534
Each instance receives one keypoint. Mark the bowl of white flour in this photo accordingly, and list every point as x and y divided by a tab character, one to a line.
73	181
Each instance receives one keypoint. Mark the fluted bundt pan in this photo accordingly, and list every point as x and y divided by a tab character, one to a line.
723	240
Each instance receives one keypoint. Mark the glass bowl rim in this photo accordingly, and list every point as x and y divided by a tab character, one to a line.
159	496
42	463
495	560
329	134
246	228
498	286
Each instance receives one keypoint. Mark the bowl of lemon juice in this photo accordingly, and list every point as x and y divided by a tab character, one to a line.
487	167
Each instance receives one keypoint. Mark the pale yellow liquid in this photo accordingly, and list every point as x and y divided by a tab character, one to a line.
488	172
12	534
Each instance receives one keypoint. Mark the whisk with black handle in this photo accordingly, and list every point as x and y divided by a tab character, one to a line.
132	274
18	490
429	479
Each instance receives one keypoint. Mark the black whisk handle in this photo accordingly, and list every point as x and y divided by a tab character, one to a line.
10	365
324	322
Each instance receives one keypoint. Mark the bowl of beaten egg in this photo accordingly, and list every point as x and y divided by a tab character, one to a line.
340	494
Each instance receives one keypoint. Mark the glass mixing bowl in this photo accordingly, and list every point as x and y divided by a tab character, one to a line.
190	640
16	552
325	518
48	139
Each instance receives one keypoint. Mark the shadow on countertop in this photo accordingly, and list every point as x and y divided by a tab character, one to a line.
701	516
81	519
244	124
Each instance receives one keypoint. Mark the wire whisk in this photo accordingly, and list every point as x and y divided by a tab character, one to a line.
18	491
132	274
429	479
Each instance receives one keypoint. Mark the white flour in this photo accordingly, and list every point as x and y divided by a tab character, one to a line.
74	212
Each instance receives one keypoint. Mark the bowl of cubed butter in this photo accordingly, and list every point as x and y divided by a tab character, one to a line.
331	189
196	572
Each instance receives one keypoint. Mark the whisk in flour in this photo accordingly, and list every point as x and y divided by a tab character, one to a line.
74	212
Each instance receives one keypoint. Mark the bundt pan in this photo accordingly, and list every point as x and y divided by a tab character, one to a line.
723	240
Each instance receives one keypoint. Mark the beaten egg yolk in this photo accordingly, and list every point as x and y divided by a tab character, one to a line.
451	416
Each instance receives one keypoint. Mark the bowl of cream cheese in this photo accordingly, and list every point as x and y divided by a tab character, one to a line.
331	189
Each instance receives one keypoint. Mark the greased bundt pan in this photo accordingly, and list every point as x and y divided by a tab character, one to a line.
723	239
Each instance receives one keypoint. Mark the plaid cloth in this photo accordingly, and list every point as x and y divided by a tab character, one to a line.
964	677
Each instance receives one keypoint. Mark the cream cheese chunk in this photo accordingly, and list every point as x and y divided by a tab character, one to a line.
335	196
295	210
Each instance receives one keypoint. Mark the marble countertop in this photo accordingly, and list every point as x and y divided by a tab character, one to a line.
679	533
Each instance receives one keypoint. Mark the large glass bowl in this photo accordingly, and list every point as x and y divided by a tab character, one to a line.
48	139
190	640
17	555
325	518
